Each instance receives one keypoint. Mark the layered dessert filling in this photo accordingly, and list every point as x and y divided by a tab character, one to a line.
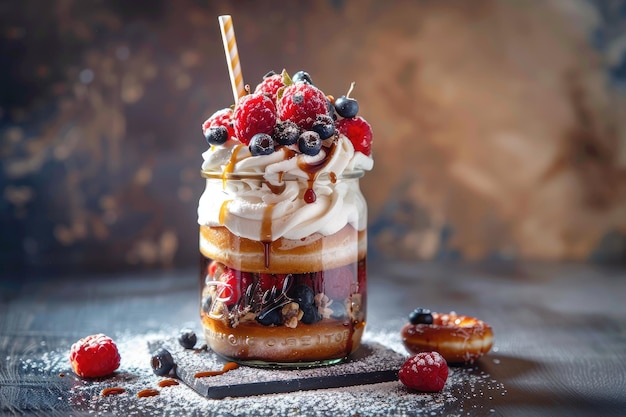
283	225
284	318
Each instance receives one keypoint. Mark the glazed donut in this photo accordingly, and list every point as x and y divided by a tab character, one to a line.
459	339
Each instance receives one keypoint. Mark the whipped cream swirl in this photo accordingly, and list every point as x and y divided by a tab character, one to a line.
261	197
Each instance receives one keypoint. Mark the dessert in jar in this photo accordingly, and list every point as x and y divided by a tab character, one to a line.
283	236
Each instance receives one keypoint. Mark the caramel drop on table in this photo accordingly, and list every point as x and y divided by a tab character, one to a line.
112	391
227	367
167	383
147	393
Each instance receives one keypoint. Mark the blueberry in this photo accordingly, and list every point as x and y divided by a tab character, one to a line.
346	107
216	135
303	295
311	315
261	144
267	318
421	316
286	133
309	143
207	303
187	338
324	126
302	76
162	362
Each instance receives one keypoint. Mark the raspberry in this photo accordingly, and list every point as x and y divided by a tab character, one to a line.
254	113
359	132
270	85
302	103
220	118
424	372
94	356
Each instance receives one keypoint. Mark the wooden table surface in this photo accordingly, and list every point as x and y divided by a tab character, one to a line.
560	332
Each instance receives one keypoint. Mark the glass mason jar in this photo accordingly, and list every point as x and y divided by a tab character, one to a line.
283	268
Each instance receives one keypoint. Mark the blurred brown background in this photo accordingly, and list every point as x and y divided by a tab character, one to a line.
500	126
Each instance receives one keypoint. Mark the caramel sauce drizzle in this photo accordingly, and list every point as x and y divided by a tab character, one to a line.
147	393
266	233
230	166
229	366
112	391
223	212
277	189
167	383
313	170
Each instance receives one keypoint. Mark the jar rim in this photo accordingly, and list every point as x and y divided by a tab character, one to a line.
346	175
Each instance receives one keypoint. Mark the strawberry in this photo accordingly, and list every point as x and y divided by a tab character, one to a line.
222	117
302	103
358	131
270	85
424	372
94	356
254	113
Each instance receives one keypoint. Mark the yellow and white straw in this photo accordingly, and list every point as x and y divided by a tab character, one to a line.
232	56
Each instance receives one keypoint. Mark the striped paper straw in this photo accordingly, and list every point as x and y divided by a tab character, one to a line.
232	56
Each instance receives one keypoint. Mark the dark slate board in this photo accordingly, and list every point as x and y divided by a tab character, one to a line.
371	363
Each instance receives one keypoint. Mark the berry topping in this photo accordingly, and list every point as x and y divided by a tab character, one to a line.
358	131
261	144
162	362
222	117
270	85
309	143
254	113
324	125
94	356
216	135
286	133
424	372
421	316
302	76
301	103
187	338
346	106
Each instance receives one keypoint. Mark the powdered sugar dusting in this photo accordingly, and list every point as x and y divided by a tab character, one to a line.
466	390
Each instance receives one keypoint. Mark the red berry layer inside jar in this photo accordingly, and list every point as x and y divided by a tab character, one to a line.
289	300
